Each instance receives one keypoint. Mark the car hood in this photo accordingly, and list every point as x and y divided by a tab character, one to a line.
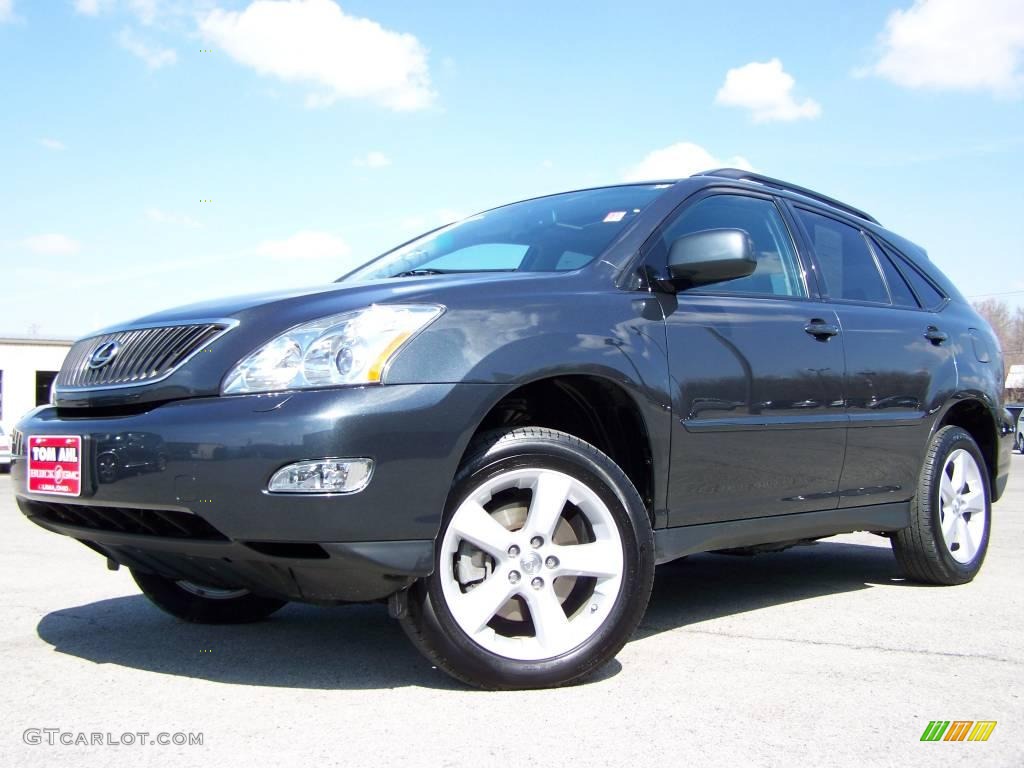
256	318
300	304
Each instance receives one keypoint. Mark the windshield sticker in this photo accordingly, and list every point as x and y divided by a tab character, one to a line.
615	216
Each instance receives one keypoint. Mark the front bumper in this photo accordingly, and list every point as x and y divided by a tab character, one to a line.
312	573
179	489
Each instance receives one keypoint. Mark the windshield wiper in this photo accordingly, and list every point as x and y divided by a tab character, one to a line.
419	272
428	271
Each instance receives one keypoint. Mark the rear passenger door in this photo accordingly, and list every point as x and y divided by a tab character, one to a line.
899	358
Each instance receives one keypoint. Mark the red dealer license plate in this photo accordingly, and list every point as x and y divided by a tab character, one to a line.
55	464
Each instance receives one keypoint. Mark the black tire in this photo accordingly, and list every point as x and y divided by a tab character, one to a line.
171	597
431	625
920	549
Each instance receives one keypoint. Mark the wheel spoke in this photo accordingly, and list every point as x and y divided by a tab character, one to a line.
974	502
478	606
958	471
972	473
474	524
967	546
949	526
549	620
946	492
550	493
600	559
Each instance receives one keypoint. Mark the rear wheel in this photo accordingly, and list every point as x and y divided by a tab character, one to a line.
201	604
544	564
948	536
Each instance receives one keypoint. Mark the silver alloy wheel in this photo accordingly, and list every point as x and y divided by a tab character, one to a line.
522	566
211	593
962	506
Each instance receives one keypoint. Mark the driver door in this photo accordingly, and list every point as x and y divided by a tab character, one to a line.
756	367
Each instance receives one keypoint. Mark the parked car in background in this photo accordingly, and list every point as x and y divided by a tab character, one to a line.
502	426
1016	412
5	450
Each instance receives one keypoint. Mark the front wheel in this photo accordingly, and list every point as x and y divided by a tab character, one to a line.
544	564
948	536
201	604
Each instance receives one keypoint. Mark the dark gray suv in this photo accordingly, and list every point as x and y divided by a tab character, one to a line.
502	426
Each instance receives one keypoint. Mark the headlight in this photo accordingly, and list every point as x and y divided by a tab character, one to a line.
350	348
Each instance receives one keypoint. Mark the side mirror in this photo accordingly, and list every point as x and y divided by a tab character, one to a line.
711	256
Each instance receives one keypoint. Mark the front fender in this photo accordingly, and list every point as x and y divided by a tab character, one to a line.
512	341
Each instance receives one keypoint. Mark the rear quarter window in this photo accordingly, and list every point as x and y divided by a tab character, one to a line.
899	288
929	296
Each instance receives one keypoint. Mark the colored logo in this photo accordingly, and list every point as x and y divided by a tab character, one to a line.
958	730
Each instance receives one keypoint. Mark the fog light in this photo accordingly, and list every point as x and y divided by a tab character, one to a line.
322	476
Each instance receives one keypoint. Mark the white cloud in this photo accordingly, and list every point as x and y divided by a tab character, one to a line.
51	245
145	11
416	223
91	7
372	160
956	45
56	146
680	160
449	215
315	42
305	245
6	10
766	89
159	216
426	222
154	56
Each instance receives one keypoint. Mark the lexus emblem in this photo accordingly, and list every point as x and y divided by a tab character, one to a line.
104	353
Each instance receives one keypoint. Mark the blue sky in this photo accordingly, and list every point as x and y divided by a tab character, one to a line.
321	134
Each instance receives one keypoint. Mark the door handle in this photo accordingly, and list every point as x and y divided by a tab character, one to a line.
935	336
821	330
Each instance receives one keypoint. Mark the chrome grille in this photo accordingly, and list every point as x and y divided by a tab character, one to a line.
144	355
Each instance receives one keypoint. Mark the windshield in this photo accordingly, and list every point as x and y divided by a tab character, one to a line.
548	234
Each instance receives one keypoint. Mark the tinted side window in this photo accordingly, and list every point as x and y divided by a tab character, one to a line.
849	268
901	294
778	270
926	292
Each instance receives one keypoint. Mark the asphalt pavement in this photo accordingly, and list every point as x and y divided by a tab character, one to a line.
820	655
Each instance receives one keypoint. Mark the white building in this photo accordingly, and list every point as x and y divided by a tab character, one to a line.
1015	377
28	367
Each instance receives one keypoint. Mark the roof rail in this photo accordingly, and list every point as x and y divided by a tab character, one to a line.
741	175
